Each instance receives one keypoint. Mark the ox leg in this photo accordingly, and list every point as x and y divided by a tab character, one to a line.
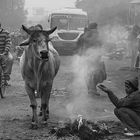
1	93
33	105
45	96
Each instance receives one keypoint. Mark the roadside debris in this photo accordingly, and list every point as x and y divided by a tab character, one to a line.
59	92
81	128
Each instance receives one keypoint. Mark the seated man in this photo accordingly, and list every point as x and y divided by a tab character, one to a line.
6	56
128	108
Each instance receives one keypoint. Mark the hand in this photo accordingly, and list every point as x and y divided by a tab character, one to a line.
103	88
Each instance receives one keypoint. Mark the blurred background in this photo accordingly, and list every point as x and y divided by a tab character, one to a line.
13	13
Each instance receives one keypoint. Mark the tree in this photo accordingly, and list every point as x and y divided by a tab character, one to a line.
105	11
12	13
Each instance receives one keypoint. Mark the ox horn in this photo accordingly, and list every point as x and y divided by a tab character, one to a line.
25	43
28	31
50	31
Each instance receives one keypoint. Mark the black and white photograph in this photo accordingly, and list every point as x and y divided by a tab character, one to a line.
69	69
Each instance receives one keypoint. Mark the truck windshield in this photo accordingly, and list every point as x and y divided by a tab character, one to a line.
69	22
77	22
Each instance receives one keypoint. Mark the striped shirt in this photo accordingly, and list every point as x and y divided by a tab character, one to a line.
5	41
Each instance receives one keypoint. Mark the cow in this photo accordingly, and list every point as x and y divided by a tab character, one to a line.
39	65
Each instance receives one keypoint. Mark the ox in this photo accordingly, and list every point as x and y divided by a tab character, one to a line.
39	65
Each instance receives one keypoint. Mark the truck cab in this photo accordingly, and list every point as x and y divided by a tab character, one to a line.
70	24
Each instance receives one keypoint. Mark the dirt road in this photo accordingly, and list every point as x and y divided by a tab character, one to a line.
15	113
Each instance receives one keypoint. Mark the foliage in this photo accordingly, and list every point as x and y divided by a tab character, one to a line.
12	13
105	11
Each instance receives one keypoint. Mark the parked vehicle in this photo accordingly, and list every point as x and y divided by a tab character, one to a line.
70	24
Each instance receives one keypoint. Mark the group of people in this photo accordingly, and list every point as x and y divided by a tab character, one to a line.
127	109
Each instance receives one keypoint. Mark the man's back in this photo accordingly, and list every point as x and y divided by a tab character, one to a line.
134	100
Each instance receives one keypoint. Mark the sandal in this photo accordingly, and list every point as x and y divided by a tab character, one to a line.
129	134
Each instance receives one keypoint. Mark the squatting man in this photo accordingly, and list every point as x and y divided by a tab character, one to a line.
128	108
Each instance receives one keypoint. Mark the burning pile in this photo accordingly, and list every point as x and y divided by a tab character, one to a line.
82	128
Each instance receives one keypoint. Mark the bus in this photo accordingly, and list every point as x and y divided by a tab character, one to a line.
70	24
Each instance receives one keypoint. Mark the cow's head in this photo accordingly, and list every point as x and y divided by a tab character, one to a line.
39	41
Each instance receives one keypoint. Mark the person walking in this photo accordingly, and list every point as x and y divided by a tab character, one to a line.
6	56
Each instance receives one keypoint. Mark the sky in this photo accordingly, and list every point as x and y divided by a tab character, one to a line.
49	4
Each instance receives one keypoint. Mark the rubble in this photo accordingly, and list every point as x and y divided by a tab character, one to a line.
81	128
59	92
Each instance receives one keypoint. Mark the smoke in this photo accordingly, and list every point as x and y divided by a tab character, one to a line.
81	102
114	33
107	11
82	66
114	37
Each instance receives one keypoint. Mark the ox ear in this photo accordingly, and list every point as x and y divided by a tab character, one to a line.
26	29
51	31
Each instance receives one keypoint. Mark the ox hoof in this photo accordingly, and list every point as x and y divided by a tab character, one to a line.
34	125
45	120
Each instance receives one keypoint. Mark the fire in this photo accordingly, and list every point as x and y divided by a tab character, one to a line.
80	120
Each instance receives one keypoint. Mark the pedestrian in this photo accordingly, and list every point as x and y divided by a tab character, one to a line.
96	71
133	44
6	56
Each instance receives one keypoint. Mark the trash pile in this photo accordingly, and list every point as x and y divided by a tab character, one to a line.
59	92
81	128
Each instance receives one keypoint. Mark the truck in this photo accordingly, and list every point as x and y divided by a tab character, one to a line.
70	24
